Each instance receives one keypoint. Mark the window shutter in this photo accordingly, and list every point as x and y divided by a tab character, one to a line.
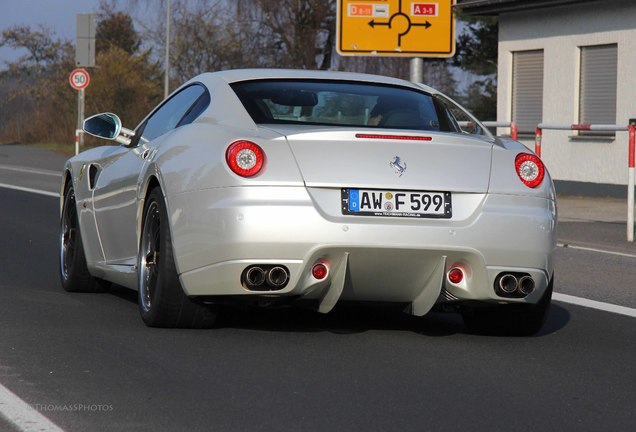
597	101
527	90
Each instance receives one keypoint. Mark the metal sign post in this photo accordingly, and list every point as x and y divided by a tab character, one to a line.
85	26
79	80
80	119
416	70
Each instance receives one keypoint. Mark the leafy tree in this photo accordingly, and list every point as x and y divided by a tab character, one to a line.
27	111
477	54
116	29
129	85
38	105
477	45
126	80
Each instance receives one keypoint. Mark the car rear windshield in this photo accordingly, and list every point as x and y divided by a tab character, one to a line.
345	103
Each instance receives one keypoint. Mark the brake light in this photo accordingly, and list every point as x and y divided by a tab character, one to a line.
245	158
395	137
530	169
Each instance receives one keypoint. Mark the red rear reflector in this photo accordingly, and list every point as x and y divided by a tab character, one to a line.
530	169
245	158
319	271
455	275
395	137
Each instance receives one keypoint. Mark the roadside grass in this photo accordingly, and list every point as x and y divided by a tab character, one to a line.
67	149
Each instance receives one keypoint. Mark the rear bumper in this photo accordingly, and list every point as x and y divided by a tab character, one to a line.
217	233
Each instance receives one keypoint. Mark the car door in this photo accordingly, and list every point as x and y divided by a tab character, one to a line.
117	182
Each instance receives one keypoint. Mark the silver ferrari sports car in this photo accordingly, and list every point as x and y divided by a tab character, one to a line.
287	186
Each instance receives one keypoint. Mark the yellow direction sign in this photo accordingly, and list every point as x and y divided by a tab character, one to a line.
412	28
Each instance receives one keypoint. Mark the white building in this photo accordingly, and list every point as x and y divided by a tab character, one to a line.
568	62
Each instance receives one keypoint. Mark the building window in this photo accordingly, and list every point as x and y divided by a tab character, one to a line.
597	89
527	90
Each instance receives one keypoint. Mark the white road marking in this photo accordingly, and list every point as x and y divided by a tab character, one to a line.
607	307
31	170
30	190
589	249
22	415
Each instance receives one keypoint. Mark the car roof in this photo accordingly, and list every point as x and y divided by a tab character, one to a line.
237	75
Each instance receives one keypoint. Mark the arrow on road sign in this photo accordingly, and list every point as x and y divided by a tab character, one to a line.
426	24
372	23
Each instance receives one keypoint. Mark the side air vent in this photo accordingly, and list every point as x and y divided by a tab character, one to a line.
93	174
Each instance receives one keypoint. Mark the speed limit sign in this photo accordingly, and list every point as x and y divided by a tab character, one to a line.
79	79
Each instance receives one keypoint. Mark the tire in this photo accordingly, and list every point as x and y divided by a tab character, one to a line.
162	302
509	320
74	273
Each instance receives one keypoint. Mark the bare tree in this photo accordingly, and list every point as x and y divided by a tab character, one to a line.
299	33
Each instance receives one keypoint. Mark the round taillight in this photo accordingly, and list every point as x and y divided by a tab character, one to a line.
245	158
530	169
455	275
319	271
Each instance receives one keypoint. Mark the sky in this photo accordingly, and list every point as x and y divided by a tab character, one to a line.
57	15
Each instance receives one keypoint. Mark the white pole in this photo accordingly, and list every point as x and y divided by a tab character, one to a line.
80	119
82	104
167	62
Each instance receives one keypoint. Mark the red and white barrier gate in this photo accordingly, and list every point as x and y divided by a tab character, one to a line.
630	158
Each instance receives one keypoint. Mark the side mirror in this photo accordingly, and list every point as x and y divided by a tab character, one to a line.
107	126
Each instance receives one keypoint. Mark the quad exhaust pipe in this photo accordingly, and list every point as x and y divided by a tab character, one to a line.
254	276
508	283
277	277
514	284
526	285
265	277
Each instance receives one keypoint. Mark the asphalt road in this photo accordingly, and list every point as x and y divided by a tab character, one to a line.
87	362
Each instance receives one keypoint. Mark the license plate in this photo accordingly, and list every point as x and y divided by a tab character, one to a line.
417	204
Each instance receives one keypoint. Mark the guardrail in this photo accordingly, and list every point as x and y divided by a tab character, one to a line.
630	158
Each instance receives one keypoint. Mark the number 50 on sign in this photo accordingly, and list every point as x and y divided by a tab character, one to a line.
79	79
